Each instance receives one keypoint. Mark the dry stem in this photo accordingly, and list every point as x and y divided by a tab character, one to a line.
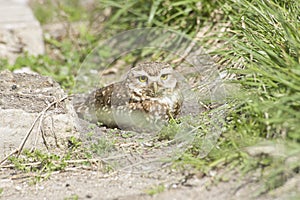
21	146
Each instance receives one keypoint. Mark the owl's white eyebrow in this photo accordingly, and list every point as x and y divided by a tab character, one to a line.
166	71
139	73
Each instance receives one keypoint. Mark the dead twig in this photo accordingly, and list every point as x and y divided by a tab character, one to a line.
40	128
21	146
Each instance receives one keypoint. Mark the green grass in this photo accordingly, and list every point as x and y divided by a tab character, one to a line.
44	163
102	147
50	11
265	37
269	46
64	65
72	197
155	190
186	15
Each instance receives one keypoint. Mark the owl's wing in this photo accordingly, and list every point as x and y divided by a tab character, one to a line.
99	105
98	100
101	97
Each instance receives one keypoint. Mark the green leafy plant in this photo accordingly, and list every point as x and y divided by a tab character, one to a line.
102	146
37	161
168	132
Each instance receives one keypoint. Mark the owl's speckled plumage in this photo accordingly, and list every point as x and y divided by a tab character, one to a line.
147	98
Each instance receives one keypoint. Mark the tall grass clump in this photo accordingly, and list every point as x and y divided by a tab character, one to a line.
267	40
181	15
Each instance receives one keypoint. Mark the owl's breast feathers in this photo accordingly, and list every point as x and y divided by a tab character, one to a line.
164	108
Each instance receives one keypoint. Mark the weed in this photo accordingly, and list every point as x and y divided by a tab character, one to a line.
44	164
266	39
74	143
37	161
178	15
102	147
155	190
53	11
73	197
168	132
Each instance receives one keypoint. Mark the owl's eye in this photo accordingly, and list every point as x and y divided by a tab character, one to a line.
143	79
164	76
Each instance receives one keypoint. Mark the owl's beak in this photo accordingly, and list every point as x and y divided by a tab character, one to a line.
154	88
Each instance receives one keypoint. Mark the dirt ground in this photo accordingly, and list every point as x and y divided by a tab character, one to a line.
90	184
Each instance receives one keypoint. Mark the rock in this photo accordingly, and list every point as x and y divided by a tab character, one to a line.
22	98
275	149
26	70
20	32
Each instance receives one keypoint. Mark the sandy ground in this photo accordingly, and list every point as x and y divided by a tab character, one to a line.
87	184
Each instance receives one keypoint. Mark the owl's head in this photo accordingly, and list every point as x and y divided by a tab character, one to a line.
151	79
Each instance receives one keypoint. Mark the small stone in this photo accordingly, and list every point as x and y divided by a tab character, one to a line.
18	188
212	173
148	144
13	87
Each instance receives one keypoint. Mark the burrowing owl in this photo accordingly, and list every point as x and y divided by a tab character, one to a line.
147	98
